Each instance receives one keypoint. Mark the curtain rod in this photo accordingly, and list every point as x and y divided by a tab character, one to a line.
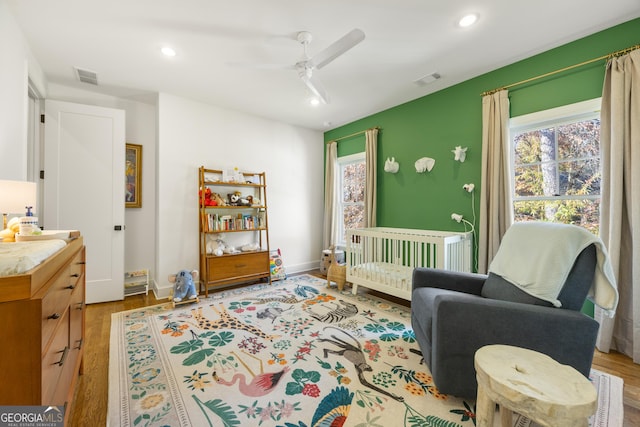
353	134
570	67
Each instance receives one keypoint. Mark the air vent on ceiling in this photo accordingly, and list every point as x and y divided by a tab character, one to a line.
86	76
429	78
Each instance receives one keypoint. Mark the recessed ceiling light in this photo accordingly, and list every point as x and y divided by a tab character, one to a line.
167	51
314	101
468	20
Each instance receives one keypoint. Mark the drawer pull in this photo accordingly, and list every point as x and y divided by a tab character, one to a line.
241	265
54	316
75	275
79	344
72	287
64	352
81	263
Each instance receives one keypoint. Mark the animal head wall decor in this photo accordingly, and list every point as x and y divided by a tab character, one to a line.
425	164
459	154
391	166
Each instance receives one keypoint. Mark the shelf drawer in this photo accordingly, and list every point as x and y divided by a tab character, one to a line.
240	265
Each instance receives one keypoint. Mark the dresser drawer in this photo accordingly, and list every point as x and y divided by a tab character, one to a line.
77	265
241	265
54	360
56	301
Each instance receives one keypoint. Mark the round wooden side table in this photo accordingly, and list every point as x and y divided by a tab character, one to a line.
531	384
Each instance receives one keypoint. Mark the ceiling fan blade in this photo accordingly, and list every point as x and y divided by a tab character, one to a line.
315	87
261	66
339	47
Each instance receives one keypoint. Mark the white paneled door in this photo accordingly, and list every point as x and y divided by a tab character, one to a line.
84	188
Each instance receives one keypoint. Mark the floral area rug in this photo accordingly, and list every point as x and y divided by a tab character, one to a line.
293	354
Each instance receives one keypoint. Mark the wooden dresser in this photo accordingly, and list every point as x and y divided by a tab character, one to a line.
42	332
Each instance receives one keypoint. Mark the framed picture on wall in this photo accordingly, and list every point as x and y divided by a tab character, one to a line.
133	176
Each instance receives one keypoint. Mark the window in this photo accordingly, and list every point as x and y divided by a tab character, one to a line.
351	184
556	165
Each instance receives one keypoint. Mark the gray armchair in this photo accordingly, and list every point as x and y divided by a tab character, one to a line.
454	314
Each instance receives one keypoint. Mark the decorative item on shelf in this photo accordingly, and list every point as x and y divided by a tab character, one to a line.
424	164
253	200
459	154
250	247
391	166
236	199
233	175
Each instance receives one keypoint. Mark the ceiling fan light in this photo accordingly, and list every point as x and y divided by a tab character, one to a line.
468	20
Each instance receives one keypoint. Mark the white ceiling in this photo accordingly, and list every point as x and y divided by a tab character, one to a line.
405	40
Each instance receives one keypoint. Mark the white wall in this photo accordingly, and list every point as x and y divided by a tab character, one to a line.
179	136
140	232
192	134
16	65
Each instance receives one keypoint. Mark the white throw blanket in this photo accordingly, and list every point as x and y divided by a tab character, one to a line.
538	256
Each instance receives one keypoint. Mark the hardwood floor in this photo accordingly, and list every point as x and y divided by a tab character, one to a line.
91	400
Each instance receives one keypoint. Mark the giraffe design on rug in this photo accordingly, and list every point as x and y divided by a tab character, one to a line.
283	299
227	321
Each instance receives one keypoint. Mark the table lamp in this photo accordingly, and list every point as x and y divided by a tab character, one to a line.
15	196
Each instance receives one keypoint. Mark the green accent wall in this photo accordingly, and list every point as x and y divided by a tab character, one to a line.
433	125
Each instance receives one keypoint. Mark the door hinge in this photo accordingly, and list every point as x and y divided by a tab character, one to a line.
41	118
41	174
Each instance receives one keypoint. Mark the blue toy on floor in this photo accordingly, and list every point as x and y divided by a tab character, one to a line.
184	285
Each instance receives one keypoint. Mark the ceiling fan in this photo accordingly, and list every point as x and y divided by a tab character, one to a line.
306	66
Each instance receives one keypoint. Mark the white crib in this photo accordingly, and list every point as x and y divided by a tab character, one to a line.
384	258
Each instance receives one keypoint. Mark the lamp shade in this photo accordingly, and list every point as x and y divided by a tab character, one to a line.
16	195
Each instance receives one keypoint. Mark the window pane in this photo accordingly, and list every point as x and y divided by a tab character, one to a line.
584	213
579	140
534	146
353	179
581	177
528	181
353	216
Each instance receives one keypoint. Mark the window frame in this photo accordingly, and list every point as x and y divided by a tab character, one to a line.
341	163
555	117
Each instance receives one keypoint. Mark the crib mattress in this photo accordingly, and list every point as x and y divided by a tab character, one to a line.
20	257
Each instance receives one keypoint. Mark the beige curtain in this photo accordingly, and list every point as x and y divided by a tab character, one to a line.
496	207
329	230
371	187
620	206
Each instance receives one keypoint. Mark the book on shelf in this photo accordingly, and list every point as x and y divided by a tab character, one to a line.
241	222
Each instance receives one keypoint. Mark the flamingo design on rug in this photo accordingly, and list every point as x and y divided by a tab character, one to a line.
260	385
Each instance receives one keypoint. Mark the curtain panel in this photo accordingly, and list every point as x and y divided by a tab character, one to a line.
371	184
329	229
496	206
620	205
